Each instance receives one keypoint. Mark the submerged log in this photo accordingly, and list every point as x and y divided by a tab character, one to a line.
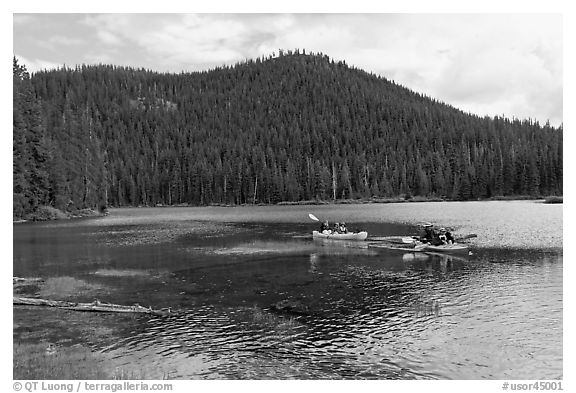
94	306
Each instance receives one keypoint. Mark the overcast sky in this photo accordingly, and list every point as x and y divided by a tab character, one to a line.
488	64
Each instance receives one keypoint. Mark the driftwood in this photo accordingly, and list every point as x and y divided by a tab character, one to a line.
94	306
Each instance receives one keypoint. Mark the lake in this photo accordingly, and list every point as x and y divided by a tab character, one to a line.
256	298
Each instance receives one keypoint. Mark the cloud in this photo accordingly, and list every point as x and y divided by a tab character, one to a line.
506	68
186	40
21	19
34	65
197	40
66	40
109	38
56	42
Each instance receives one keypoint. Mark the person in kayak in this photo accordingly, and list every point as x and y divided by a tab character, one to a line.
448	236
325	228
431	235
437	238
336	228
427	234
442	236
343	228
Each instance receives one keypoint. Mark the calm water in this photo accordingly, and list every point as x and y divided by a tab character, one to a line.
258	298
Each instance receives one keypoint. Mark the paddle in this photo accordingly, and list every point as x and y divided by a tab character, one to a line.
472	235
425	224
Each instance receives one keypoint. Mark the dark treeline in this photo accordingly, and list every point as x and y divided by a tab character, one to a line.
287	128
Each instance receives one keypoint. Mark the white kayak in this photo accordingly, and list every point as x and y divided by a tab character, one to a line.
340	236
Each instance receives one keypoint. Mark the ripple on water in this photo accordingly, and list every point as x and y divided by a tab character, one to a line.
475	319
370	314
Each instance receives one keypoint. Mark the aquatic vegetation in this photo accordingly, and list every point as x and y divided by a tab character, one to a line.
67	287
424	306
266	247
122	273
51	361
26	285
280	324
134	232
48	361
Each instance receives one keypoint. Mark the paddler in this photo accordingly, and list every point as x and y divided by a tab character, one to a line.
431	235
442	236
437	238
336	228
449	237
325	228
427	235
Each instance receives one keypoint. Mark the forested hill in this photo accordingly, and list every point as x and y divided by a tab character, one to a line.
287	128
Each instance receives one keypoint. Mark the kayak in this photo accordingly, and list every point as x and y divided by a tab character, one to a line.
341	236
446	248
423	248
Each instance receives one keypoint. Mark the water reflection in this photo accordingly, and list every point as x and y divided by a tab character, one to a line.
314	260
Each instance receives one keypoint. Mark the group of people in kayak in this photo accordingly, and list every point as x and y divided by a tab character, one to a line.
436	236
339	227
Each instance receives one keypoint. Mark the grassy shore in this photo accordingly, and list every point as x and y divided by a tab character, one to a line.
48	361
49	213
554	199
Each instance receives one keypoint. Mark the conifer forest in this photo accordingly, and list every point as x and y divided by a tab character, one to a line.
293	127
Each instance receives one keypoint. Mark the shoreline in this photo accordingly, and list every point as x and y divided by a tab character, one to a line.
48	213
51	214
364	201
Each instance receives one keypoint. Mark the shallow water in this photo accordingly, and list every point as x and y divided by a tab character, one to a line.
258	298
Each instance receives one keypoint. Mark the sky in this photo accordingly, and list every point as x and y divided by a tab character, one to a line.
487	64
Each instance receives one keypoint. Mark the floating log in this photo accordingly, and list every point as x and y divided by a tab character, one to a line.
94	306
